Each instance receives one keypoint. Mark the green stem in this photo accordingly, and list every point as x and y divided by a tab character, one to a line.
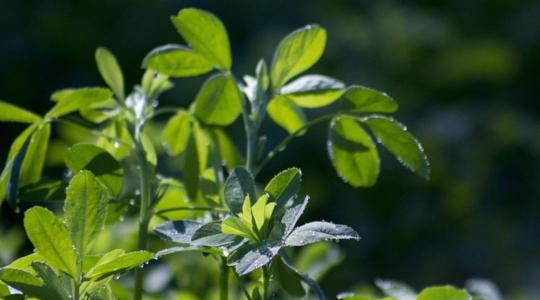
266	282
144	214
224	280
283	144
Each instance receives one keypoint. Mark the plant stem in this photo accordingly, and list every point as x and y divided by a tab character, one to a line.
266	282
144	214
224	280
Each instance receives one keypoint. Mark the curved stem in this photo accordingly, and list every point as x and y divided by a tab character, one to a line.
144	214
224	280
266	282
283	144
162	111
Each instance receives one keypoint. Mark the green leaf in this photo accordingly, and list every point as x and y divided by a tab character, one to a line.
286	114
42	191
228	152
363	99
284	186
12	113
25	282
353	153
4	290
51	239
396	289
317	259
192	161
119	264
110	71
238	185
443	293
261	72
320	231
206	34
178	231
59	285
175	136
177	61
236	226
13	151
395	137
72	100
308	280
313	91
35	156
289	280
85	209
25	263
93	158
14	175
210	235
292	214
250	257
296	53
261	212
218	102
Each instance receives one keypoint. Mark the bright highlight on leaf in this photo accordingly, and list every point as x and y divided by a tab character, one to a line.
12	113
205	33
395	137
352	152
177	61
218	102
286	114
110	71
296	53
313	91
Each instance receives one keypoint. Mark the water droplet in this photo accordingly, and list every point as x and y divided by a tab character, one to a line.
132	202
137	192
122	219
116	145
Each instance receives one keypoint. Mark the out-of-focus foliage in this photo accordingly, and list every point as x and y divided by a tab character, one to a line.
467	69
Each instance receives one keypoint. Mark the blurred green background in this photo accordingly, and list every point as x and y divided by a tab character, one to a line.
465	73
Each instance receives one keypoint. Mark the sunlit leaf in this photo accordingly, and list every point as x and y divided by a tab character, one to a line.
286	114
320	231
51	239
443	293
363	99
119	264
353	153
395	137
176	133
313	91
110	71
296	53
100	162
177	61
284	186
210	235
76	99
206	34
218	101
85	209
12	113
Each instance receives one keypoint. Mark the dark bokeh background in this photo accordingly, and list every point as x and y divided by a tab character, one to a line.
466	74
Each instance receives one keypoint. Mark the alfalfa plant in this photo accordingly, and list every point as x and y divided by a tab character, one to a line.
248	228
